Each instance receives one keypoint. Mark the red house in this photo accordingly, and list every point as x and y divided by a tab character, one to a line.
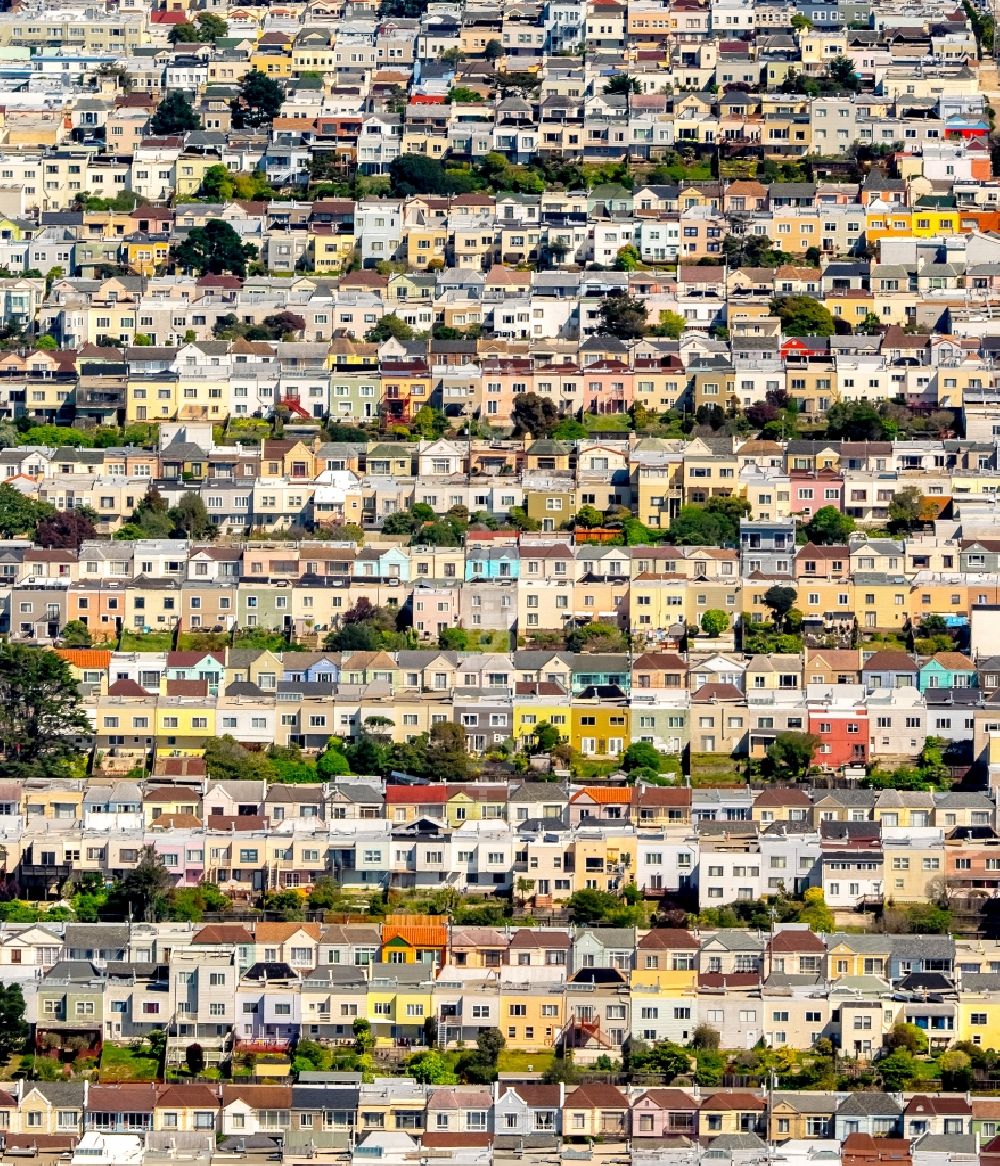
843	735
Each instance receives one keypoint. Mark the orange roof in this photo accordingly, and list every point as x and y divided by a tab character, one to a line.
85	657
416	930
606	795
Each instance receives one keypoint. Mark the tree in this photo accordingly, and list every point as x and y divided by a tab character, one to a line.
640	755
626	259
716	524
672	325
65	529
332	763
841	73
40	712
259	100
780	599
955	1067
857	421
190	516
174	115
534	414
144	888
623	316
211	26
416	174
364	1038
493	50
19	514
905	510
429	1068
76	634
227	760
714	622
895	1071
214	250
463	95
545	738
184	33
815	913
906	1036
588	517
829	527
447	758
621	84
791	754
491	1043
194	1058
705	1037
801	22
389	327
13	1026
802	316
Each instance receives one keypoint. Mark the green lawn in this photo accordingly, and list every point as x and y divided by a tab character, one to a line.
604	421
153	642
516	1061
120	1063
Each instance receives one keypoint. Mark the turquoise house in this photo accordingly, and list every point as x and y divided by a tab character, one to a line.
947	670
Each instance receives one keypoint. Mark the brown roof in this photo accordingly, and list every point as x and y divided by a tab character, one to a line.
669	939
186	1096
223	933
664	795
796	939
596	1097
670	1099
943	1104
282	932
813	551
138	1098
259	1096
169	821
187	688
537	1095
734	1099
889	659
782	796
539	940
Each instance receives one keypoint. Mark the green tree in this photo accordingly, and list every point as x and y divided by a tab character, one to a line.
462	95
493	50
791	754
829	527
841	73
545	737
144	888
623	316
627	258
907	1037
212	27
714	622
780	599
588	517
19	514
46	342
389	327
184	33
705	1037
76	634
40	712
429	1068
801	23
447	758
640	755
672	325
534	414
955	1067
621	84
896	1071
214	249
174	115
411	174
815	913
13	1026
194	1058
332	763
905	510
190	516
715	524
227	760
857	421
802	316
928	919
259	100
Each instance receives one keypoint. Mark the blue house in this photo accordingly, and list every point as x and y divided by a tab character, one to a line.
381	563
311	668
210	666
599	671
488	563
948	670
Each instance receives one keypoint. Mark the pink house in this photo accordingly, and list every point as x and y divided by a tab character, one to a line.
608	387
665	1113
502	380
812	491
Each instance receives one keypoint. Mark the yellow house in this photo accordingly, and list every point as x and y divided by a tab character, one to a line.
531	1016
330	250
190	173
273	55
146	254
151	398
599	729
531	710
398	1002
184	723
425	244
895	222
847	960
476	804
978	1015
